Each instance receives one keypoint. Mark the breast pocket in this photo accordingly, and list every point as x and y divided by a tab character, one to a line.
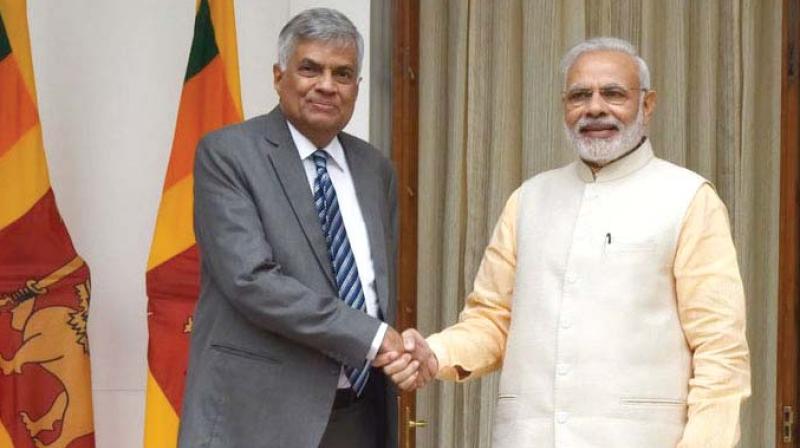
614	247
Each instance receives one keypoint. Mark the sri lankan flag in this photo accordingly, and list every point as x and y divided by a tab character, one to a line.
210	99
45	384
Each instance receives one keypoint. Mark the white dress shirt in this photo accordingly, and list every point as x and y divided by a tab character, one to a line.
353	220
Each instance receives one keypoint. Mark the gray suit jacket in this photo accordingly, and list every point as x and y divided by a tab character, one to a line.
269	332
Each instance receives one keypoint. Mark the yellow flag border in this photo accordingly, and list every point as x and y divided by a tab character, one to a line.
176	214
223	16
5	438
160	420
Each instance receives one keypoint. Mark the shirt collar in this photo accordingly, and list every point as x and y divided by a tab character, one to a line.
305	148
618	168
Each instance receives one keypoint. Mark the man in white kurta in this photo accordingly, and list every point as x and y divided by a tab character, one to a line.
609	293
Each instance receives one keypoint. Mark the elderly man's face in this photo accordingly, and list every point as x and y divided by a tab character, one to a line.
318	88
604	112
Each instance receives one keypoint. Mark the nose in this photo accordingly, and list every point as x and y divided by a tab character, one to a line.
596	106
326	84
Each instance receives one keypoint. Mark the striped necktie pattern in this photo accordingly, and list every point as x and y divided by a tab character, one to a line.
342	260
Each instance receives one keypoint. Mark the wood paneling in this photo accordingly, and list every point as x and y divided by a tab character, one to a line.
405	64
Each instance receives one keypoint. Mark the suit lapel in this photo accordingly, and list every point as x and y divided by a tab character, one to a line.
292	176
369	191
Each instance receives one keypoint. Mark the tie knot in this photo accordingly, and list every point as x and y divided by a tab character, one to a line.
320	158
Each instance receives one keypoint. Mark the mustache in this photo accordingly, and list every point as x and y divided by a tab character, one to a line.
585	122
607	121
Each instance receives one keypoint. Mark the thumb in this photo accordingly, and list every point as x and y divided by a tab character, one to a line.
409	342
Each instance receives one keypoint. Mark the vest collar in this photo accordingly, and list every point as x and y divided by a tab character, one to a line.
618	168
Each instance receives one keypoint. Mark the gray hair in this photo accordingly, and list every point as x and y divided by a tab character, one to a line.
320	24
606	44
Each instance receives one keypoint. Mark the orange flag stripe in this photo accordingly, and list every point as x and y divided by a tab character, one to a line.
23	177
205	104
17	111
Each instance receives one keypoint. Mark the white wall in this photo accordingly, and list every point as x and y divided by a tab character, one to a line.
109	76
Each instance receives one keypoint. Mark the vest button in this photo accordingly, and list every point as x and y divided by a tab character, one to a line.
565	323
562	417
562	369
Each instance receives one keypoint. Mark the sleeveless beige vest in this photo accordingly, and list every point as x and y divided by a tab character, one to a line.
596	356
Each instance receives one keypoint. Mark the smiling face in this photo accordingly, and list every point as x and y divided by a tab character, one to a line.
605	110
318	88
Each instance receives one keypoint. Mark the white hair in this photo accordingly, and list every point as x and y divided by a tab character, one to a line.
606	44
320	24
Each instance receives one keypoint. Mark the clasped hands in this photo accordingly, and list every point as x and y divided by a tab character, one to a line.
406	359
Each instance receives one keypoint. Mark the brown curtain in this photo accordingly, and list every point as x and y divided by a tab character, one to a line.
490	117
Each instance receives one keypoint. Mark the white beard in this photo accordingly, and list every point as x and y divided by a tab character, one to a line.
601	151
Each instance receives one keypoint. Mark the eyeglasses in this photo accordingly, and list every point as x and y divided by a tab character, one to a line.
616	95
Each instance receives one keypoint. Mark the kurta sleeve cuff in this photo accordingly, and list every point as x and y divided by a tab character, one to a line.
713	423
446	370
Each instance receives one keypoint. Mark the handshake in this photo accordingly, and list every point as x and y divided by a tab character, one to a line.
406	359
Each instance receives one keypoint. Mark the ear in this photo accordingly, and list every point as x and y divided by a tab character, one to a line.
277	76
649	105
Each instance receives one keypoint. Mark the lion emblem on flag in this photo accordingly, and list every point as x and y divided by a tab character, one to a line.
47	333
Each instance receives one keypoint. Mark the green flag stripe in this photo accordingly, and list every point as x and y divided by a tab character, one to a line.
204	46
5	45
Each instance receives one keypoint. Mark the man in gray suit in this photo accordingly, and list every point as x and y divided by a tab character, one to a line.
295	221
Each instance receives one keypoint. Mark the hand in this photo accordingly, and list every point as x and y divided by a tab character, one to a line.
391	348
419	349
398	366
404	372
416	367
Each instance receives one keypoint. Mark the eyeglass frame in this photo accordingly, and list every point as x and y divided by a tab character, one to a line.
588	99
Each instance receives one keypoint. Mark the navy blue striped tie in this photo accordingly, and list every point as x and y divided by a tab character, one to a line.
342	259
